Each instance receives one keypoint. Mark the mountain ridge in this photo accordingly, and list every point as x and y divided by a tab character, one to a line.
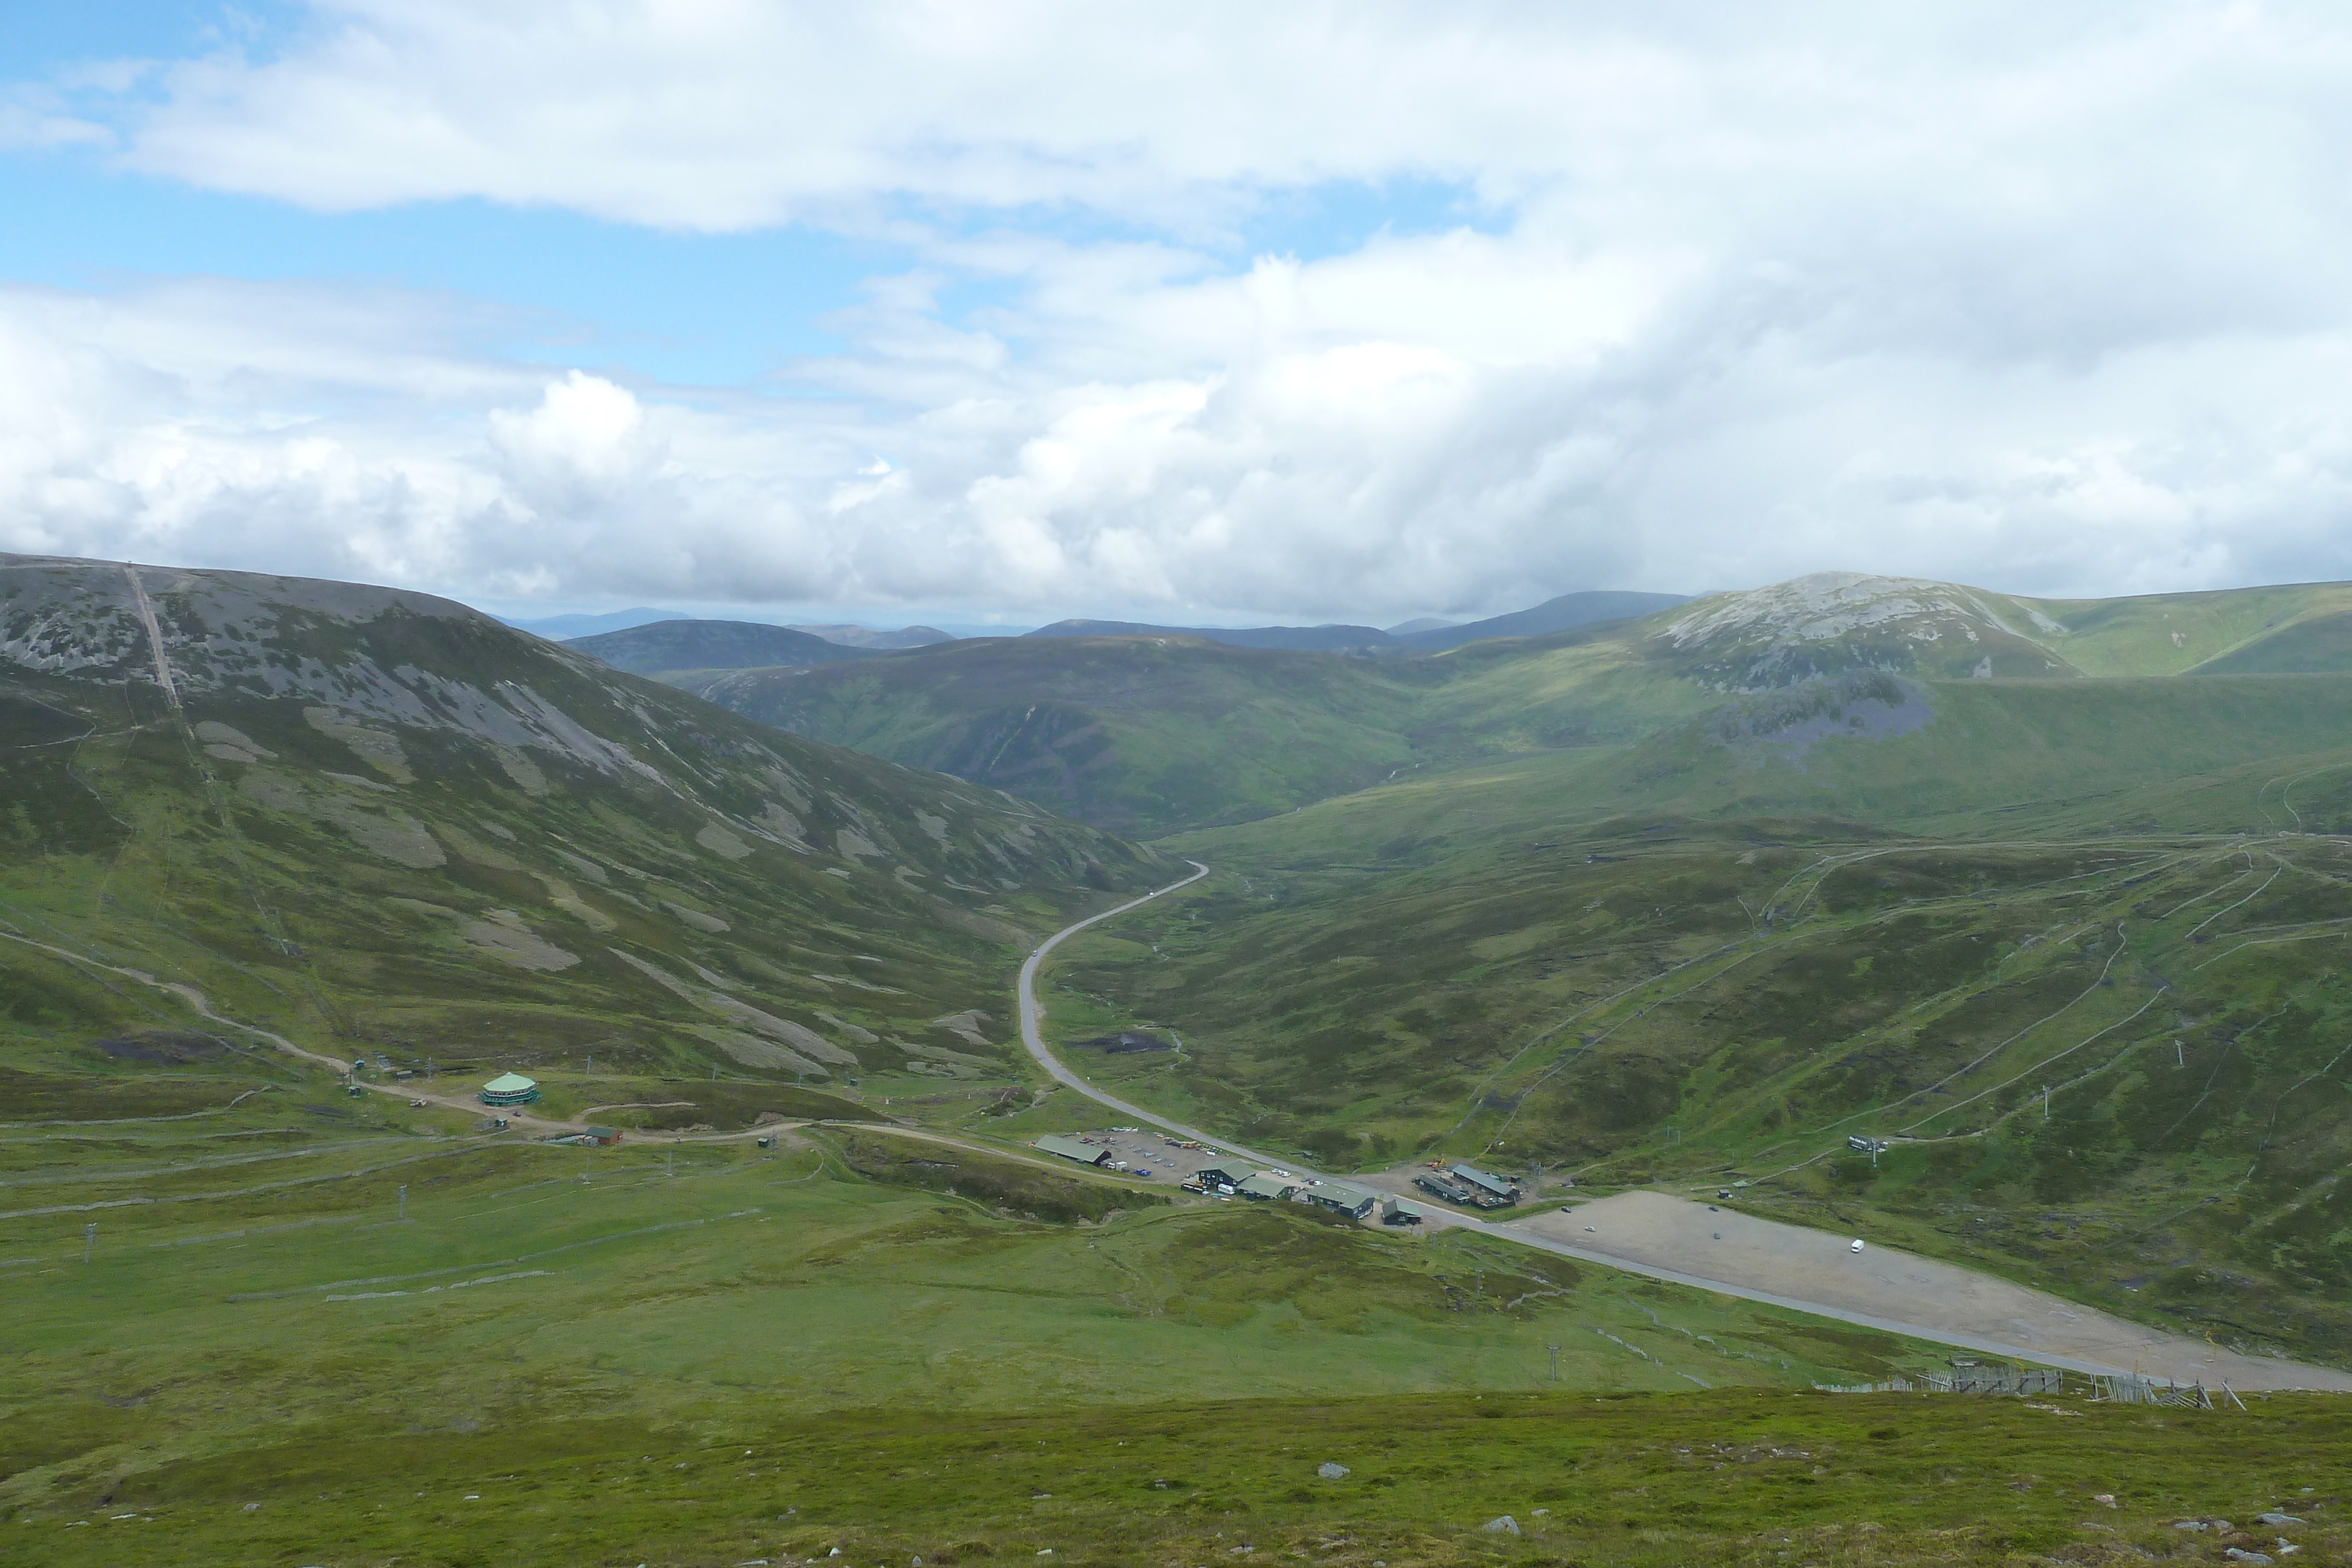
362	815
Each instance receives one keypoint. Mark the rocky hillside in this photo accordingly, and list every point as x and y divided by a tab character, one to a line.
379	820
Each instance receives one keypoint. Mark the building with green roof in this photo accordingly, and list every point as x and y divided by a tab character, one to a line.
510	1089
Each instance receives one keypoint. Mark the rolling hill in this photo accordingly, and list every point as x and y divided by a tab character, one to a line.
850	636
1564	613
667	646
1138	735
1159	732
1296	639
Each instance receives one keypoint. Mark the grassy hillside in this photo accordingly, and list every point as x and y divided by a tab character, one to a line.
1699	1004
2243	630
1153	735
297	1313
1716	954
1986	755
380	824
310	1330
1139	735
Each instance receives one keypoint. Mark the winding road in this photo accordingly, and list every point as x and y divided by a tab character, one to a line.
1675	1241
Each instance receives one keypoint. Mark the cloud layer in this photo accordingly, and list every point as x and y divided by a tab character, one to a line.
2052	305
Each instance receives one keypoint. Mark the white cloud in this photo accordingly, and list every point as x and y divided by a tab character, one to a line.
2046	300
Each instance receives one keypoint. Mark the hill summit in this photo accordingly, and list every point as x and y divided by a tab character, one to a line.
1831	622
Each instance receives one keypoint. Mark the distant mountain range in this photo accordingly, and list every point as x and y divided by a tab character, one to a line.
563	628
1561	615
734	650
1151	730
867	637
573	628
713	645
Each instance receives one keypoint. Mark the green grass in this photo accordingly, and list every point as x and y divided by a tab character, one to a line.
1640	1480
262	1320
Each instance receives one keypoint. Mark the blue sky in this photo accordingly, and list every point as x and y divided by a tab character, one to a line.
671	305
1336	312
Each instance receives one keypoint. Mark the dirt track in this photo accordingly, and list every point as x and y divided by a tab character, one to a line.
1818	1270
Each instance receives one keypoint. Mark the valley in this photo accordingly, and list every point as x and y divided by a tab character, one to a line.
2068	947
2030	972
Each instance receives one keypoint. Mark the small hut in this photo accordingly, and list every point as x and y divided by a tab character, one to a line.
510	1089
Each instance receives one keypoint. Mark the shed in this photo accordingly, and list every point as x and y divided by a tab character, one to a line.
1438	1186
1349	1199
1227	1173
1492	1185
510	1089
1072	1149
603	1138
1397	1211
1265	1184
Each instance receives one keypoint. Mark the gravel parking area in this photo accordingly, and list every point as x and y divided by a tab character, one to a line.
1717	1242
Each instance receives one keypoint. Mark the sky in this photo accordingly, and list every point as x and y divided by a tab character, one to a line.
998	312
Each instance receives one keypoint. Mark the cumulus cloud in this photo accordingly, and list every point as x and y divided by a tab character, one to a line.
2045	301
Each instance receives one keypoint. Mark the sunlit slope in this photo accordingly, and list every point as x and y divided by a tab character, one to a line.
1568	690
2243	629
1901	751
381	823
1979	757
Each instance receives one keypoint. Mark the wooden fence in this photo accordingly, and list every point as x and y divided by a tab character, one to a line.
2136	1390
1963	1380
2118	1390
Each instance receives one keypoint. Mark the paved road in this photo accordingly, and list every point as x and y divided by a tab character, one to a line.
1781	1265
1031	1015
